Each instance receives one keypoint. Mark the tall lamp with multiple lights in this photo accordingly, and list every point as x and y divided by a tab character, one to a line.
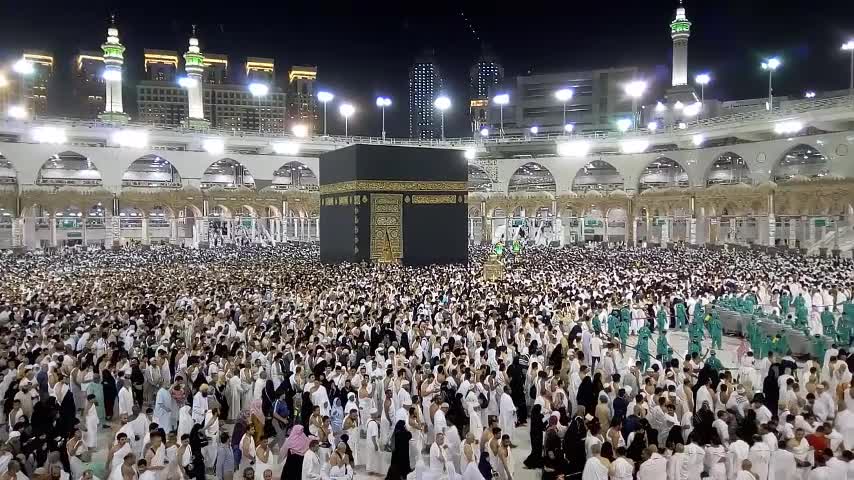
442	103
702	80
383	102
501	100
346	110
635	90
324	97
771	65
259	91
564	95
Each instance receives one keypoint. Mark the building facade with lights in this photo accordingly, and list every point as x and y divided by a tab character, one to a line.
787	181
302	96
598	101
484	75
425	85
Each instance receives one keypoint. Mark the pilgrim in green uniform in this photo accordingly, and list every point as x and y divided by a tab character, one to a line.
801	316
753	334
662	348
698	312
828	323
95	388
785	301
715	330
623	333
643	346
612	324
661	319
749	304
818	349
696	339
713	361
780	345
597	324
681	315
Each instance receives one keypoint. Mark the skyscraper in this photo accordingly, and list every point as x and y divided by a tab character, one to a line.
302	102
88	84
425	83
36	85
483	75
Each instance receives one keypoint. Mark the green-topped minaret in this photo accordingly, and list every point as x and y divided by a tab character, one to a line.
680	31
194	64
113	61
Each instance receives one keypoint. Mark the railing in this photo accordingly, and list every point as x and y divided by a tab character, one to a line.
779	113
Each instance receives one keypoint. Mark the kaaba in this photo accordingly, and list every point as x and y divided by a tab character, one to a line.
393	204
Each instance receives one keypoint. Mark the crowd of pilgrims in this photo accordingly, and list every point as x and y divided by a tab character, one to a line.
169	363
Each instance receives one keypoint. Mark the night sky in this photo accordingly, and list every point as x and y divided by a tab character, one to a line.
363	49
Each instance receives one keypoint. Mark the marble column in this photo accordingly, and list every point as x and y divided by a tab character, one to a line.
173	231
17	232
145	238
605	230
812	232
204	230
635	231
792	232
253	229
85	230
52	219
317	229
692	231
772	230
665	231
732	234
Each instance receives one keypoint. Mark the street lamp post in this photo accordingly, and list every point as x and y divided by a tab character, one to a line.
849	47
383	102
564	95
259	90
346	110
635	90
501	100
771	65
324	97
702	80
442	103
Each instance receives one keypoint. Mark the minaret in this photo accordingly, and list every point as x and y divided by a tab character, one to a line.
113	61
194	64
680	31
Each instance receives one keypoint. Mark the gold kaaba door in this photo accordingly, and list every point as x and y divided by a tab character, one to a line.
386	227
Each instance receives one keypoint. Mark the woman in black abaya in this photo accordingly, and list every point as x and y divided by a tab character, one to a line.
399	467
535	459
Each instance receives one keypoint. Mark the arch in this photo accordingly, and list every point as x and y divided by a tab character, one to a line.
8	175
663	172
597	175
294	175
802	161
478	180
69	168
151	171
227	173
728	168
532	177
